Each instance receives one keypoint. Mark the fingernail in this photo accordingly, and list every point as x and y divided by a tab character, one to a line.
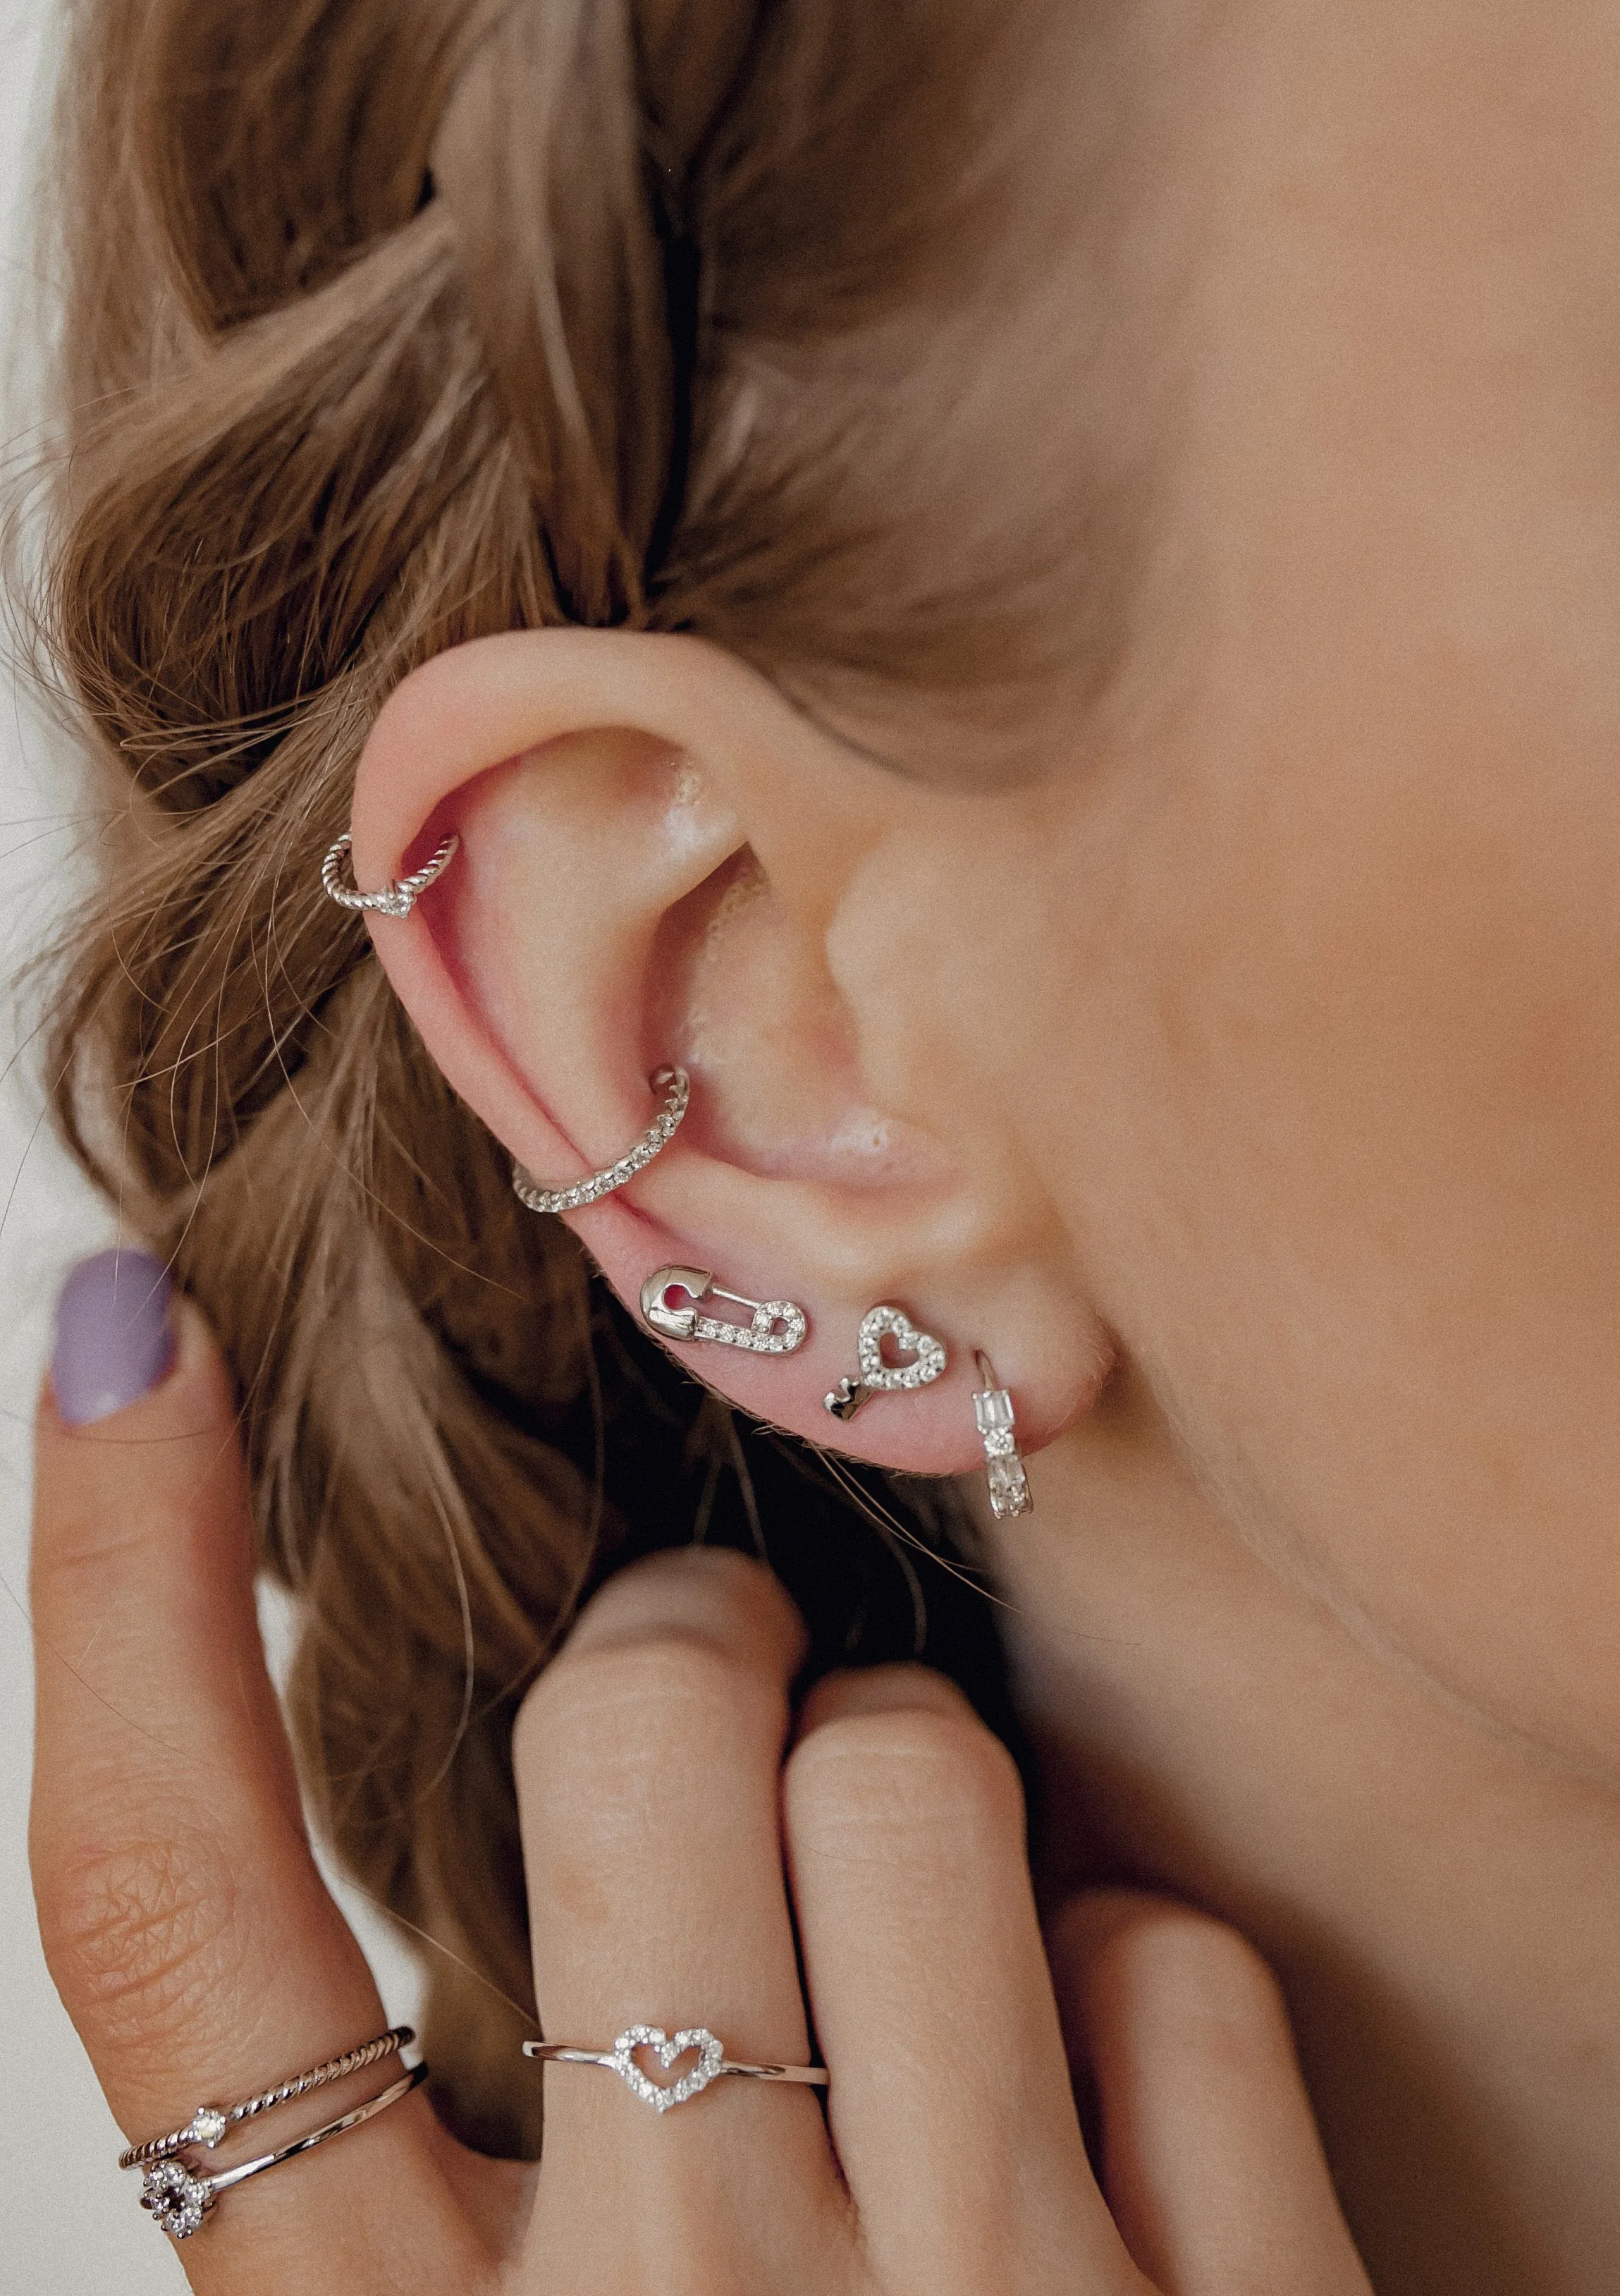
114	1340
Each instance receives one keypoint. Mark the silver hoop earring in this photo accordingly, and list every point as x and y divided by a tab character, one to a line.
877	1377
993	1410
395	900
676	1088
775	1326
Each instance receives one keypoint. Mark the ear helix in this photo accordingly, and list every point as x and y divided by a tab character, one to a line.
775	1327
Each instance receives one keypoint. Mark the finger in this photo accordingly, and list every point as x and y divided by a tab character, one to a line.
950	2105
182	1918
1212	2160
648	1765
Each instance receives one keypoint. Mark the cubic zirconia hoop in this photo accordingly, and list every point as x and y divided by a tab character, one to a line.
712	2063
178	2198
775	1327
675	1086
395	900
209	2124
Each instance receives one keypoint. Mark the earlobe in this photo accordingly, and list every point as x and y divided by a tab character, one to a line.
653	848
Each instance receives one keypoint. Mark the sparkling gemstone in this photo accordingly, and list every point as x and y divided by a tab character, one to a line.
993	1409
209	2124
177	2199
1009	1489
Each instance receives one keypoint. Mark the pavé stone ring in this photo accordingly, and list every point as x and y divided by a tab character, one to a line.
692	2041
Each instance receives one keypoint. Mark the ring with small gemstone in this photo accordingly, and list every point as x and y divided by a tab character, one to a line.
693	2040
178	2195
209	2123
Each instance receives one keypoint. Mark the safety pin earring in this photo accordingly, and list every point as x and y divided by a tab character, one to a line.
993	1410
775	1327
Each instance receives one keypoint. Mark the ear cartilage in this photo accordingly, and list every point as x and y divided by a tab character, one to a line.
993	1410
775	1327
877	1377
393	900
675	1086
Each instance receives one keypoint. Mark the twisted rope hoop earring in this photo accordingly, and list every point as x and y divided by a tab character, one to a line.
395	900
677	1087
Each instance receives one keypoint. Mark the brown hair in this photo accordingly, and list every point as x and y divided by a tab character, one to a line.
390	325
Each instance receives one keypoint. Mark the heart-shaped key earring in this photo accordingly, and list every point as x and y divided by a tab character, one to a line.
877	1374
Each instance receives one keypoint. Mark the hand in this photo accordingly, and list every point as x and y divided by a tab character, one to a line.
677	1821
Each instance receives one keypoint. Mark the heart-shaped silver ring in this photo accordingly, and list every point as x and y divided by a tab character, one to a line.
668	2048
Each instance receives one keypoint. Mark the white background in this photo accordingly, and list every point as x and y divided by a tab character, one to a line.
57	2137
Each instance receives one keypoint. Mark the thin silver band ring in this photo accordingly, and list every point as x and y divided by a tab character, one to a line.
393	900
178	2199
712	2063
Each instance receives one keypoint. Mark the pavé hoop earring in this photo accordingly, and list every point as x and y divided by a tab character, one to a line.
993	1410
395	900
877	1377
675	1086
775	1327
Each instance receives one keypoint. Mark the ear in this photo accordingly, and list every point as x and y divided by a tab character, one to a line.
660	861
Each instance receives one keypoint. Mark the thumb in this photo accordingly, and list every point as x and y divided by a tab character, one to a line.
1212	2163
184	1922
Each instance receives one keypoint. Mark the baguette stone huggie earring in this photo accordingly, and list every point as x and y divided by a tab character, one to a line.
993	1410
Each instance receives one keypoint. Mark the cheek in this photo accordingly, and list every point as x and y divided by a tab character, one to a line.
1323	1067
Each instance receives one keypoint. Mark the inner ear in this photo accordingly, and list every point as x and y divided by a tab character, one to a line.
743	993
609	915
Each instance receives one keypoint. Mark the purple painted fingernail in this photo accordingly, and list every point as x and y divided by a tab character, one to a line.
114	1341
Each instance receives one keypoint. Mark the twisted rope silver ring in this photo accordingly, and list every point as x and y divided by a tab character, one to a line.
675	1086
395	900
209	2124
694	2040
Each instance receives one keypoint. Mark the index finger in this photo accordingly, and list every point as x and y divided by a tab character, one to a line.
183	1919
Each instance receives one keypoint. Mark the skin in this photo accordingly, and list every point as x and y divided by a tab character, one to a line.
1256	1107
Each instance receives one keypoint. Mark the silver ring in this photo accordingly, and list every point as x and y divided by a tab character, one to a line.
178	2199
209	2124
395	900
712	2063
677	1087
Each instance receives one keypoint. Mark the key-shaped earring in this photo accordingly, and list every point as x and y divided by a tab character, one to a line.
877	1377
993	1410
775	1327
